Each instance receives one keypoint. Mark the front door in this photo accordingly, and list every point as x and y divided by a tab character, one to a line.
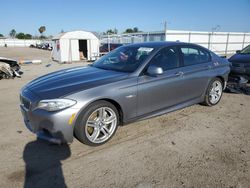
162	91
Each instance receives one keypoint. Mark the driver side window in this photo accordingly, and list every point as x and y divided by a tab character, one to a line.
167	58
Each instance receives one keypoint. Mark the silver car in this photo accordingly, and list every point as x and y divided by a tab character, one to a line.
131	83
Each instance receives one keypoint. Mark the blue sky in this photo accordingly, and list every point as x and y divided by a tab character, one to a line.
148	15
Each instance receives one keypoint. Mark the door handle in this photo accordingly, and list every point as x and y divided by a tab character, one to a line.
180	73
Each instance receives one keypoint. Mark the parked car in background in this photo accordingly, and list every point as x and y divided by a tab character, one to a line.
44	46
105	48
240	63
132	82
33	45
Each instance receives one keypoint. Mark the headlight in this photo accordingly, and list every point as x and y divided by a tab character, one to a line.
55	104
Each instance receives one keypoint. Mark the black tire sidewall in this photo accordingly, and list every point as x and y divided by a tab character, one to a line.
79	130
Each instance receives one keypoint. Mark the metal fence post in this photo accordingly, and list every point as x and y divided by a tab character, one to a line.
108	43
209	40
165	33
244	38
189	37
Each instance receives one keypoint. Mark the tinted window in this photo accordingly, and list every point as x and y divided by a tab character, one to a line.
246	50
192	56
166	58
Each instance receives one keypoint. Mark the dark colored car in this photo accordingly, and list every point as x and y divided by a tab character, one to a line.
240	63
105	48
132	82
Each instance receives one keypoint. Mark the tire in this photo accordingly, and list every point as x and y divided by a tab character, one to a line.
214	92
97	123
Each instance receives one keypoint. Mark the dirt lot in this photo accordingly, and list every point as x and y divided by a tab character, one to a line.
195	147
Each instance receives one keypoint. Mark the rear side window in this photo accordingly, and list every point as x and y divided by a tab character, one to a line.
193	56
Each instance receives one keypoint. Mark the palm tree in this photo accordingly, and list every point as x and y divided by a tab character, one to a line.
41	30
12	33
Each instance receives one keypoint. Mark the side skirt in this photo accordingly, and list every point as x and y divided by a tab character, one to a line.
165	110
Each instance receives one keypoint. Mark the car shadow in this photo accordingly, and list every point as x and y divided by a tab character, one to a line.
43	164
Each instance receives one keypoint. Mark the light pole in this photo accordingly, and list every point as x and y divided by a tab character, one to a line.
165	30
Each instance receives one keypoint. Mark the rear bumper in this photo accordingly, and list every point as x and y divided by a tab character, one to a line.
52	126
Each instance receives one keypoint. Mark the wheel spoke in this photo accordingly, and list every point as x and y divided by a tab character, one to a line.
102	113
214	85
91	123
217	88
214	97
104	131
95	134
109	119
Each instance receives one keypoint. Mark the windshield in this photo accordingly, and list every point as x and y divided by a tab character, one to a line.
124	59
245	50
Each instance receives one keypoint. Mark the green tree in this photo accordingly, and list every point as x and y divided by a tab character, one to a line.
1	35
130	30
111	31
12	33
20	35
28	36
23	36
136	30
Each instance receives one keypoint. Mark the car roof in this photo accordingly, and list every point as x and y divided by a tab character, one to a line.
161	44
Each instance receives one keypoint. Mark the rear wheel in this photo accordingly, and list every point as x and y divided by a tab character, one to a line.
214	92
97	124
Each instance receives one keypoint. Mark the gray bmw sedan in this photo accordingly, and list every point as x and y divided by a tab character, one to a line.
131	83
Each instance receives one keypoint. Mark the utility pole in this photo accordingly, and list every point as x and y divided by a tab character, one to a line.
108	43
165	30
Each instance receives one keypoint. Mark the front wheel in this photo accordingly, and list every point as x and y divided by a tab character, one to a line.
97	124
214	92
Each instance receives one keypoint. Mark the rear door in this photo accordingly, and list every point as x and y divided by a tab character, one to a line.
197	65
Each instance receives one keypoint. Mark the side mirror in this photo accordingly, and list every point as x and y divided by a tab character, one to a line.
238	51
154	70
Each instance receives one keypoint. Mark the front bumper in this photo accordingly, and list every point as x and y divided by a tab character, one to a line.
241	71
55	127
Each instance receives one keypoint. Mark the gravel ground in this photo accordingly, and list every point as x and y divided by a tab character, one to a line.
195	147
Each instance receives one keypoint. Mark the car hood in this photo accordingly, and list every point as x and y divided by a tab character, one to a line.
240	58
68	81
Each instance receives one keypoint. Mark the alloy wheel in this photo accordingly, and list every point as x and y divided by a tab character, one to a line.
215	92
101	125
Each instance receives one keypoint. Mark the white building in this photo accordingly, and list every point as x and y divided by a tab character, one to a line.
75	46
222	43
